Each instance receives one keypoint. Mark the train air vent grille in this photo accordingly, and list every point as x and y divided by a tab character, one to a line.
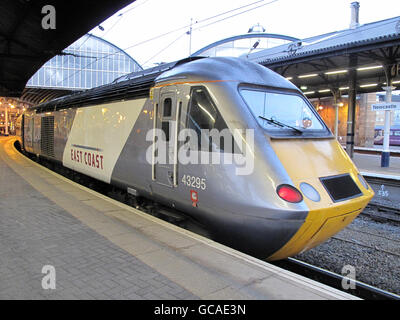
47	136
341	187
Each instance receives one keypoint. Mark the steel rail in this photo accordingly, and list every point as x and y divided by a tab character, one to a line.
361	289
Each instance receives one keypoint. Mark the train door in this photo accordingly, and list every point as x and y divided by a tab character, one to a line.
165	148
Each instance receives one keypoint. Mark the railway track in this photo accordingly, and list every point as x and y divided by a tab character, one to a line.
382	213
384	206
357	288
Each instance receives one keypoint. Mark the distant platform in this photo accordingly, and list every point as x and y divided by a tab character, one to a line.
394	150
370	166
103	249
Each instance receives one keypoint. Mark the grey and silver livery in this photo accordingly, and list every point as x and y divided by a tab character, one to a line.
224	140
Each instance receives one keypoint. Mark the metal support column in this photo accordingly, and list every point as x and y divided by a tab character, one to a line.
336	97
385	158
351	112
390	72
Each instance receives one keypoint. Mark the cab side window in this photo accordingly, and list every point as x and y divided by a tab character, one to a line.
166	114
202	116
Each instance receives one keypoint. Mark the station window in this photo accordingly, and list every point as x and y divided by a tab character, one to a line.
203	117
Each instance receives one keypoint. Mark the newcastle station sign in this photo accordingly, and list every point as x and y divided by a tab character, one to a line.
386	106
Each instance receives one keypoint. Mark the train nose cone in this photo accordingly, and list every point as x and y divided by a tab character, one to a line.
319	165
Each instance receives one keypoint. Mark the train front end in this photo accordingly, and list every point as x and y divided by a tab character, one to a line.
320	177
331	187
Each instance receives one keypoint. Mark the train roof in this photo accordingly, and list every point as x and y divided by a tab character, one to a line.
138	84
227	68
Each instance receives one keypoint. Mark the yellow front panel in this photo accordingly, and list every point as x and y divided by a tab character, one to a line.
307	161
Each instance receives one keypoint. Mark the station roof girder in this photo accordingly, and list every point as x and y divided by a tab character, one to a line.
25	45
321	64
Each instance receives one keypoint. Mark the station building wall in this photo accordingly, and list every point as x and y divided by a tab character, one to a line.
368	123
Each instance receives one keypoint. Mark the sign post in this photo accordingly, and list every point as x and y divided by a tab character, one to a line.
388	106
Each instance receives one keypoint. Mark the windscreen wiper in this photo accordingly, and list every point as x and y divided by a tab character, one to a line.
281	124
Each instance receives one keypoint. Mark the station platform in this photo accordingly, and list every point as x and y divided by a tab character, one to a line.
370	166
102	249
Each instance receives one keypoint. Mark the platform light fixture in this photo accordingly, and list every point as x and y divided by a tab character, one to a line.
336	72
324	90
309	92
289	78
368	85
308	75
344	88
369	68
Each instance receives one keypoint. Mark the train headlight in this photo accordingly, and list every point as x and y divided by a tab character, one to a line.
310	192
363	182
289	193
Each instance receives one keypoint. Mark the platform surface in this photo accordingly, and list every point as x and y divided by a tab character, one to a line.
370	165
102	249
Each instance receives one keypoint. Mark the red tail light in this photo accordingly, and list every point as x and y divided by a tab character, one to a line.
289	193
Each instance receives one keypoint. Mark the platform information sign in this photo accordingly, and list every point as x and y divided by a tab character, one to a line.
386	106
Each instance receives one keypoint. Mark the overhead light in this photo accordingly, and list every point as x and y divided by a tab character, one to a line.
324	90
308	75
289	78
309	92
368	85
393	82
369	68
336	72
344	88
303	87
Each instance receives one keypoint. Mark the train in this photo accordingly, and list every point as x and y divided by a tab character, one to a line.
394	137
228	142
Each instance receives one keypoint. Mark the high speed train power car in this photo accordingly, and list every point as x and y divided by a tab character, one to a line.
274	184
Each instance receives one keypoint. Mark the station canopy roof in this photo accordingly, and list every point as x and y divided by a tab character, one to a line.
322	63
25	45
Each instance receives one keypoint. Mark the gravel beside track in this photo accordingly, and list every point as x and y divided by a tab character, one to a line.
371	247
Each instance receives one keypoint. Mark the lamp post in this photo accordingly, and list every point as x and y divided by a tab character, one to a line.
6	121
190	36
